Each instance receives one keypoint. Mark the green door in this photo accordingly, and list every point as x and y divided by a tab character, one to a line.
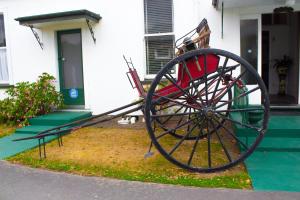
70	67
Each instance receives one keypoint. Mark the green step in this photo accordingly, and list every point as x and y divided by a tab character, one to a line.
10	148
34	129
275	163
59	118
279	126
275	144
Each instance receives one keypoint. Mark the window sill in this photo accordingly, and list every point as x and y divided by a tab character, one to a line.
5	85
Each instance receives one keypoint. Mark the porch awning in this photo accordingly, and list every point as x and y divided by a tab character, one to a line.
251	3
39	20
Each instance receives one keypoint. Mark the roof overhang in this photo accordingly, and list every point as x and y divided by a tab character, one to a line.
50	18
74	16
252	3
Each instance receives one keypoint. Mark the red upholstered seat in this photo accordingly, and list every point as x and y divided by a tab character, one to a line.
196	71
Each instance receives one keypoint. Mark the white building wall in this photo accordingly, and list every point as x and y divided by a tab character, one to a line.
120	31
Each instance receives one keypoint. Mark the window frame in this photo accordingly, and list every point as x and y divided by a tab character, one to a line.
4	84
147	35
259	48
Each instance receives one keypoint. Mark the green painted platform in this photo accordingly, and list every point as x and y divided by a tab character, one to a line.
275	164
9	148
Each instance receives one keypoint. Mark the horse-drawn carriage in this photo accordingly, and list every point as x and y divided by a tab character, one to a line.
189	105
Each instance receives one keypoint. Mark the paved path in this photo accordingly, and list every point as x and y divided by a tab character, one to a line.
18	182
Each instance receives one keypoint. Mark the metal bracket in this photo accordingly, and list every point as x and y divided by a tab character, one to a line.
36	35
91	30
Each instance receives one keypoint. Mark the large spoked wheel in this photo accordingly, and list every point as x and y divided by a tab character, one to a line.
198	108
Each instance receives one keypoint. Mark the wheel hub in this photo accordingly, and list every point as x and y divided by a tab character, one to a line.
208	112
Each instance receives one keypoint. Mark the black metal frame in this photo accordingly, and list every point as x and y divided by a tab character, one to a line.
65	129
37	37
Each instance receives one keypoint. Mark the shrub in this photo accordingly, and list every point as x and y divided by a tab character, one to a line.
27	100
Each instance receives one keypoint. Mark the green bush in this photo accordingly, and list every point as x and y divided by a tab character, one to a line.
27	100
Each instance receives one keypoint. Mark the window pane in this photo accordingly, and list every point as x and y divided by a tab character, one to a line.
249	40
159	50
3	66
158	16
2	32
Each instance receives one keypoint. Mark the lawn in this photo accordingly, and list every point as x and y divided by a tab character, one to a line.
6	130
119	153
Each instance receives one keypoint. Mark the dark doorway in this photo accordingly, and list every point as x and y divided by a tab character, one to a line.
280	41
265	57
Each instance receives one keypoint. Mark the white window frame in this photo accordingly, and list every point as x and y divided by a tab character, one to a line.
253	99
259	46
152	76
9	70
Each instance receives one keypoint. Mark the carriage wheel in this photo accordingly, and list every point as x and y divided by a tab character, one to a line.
199	114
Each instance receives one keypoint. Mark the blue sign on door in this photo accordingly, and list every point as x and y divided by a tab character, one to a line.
73	93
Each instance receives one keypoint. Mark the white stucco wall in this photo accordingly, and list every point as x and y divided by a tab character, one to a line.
120	31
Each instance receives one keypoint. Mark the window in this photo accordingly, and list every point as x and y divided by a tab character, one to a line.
249	43
159	37
3	59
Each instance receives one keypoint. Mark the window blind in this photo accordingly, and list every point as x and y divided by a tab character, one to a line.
158	16
159	50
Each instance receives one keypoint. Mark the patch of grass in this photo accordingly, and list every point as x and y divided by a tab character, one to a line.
6	130
240	180
119	153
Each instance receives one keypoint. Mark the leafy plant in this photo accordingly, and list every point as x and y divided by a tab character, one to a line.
27	100
285	62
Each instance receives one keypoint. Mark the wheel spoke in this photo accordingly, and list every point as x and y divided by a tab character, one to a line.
182	139
221	89
231	85
240	110
180	88
191	79
238	97
169	106
195	146
219	80
205	76
201	93
239	123
161	124
208	146
173	129
172	100
171	115
221	142
232	134
188	128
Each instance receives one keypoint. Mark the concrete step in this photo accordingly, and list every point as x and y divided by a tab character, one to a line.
274	144
33	129
59	118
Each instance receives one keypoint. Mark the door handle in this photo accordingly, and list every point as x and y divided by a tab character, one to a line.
63	59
